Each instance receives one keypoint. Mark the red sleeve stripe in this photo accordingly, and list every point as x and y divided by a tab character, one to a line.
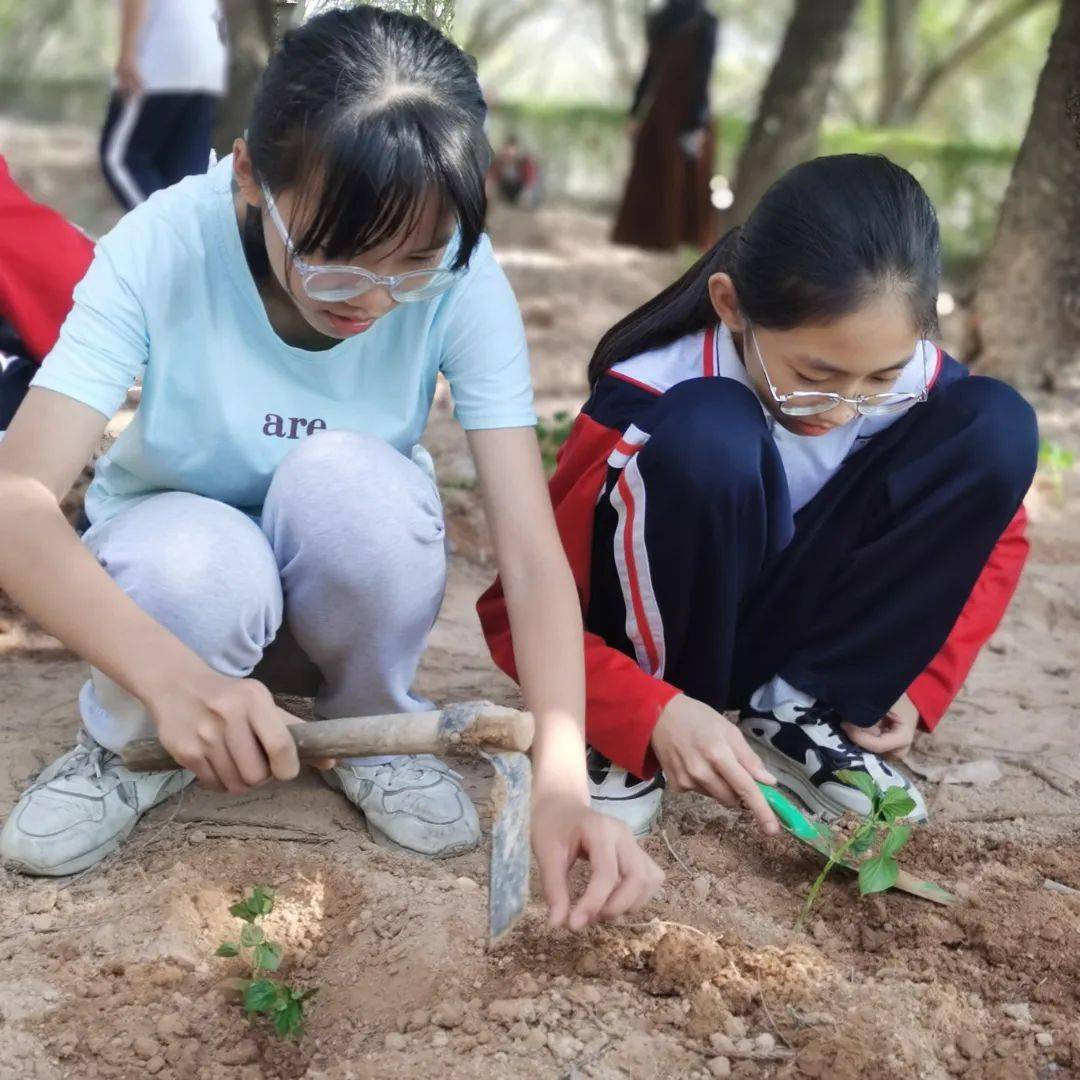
644	627
633	439
634	382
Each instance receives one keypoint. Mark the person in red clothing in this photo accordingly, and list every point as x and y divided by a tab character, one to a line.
782	499
42	258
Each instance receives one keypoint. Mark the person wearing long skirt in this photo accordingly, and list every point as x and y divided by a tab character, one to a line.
667	200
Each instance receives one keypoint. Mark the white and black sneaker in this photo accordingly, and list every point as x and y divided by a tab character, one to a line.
804	747
618	794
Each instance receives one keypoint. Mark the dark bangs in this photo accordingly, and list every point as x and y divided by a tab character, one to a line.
369	177
363	115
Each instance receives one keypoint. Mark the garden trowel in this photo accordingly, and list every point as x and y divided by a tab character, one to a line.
822	839
472	728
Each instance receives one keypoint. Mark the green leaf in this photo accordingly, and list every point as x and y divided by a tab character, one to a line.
261	996
290	1020
251	935
863	781
878	874
242	911
268	956
261	900
895	839
227	948
303	995
863	841
896	804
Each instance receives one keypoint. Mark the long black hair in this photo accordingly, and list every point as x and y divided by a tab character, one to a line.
827	236
366	113
672	17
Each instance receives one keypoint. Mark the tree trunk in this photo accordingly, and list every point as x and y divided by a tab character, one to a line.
1027	308
792	105
897	49
251	32
491	22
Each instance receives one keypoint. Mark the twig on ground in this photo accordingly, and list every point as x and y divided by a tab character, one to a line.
674	854
772	1023
256	833
1011	815
652	923
218	823
1047	776
1056	886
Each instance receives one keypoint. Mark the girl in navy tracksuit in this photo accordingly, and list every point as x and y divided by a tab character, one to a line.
782	498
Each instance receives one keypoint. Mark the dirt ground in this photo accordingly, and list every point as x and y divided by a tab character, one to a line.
112	973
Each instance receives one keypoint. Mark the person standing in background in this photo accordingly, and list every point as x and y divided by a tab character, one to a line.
169	77
667	199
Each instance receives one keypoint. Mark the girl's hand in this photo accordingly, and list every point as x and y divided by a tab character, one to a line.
892	734
623	878
227	731
699	749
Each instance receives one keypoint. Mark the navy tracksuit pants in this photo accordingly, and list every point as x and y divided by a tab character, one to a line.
154	140
850	598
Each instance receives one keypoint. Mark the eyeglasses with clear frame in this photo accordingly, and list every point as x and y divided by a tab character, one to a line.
813	403
337	283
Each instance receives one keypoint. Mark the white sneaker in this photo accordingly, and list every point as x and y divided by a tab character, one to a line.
80	809
619	795
805	747
414	802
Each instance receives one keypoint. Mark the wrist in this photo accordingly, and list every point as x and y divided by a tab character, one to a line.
561	788
155	680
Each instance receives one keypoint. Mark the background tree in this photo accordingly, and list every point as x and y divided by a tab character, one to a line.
622	24
251	36
485	25
1027	308
906	84
785	130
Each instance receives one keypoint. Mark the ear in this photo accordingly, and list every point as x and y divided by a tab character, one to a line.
725	302
244	174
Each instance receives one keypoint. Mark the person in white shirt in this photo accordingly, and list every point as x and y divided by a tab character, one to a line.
169	77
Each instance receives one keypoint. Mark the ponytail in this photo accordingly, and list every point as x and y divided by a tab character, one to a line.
682	308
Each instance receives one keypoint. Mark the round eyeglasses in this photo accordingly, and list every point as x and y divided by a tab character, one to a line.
335	284
813	403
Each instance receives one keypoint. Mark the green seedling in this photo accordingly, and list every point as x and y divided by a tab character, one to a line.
552	435
283	1004
1055	462
873	846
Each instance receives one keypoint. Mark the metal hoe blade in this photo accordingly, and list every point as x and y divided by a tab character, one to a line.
510	853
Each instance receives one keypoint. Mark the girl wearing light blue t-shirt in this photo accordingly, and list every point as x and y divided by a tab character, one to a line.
268	517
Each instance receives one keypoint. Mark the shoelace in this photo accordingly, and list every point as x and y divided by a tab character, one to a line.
91	762
846	753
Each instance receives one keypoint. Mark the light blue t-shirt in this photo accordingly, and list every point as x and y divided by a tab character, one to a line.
169	296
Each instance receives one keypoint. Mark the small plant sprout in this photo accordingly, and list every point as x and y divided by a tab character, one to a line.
1055	462
283	1004
881	833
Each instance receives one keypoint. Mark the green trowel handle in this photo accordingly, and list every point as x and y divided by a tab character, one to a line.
793	819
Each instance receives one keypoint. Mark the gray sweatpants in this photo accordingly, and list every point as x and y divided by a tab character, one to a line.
333	594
